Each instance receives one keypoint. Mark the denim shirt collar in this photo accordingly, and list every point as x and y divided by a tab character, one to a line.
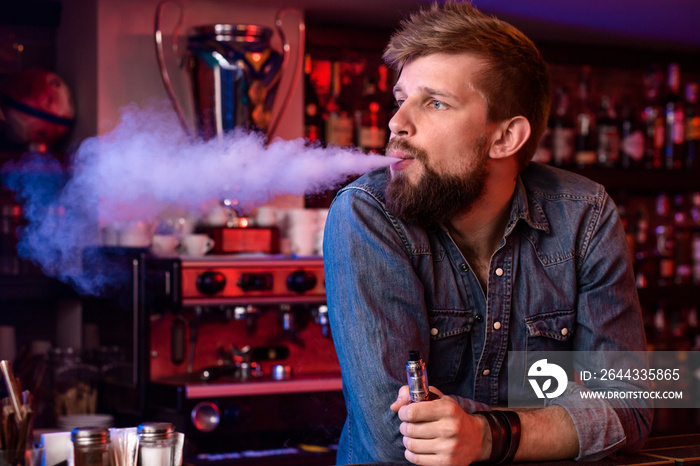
523	207
526	208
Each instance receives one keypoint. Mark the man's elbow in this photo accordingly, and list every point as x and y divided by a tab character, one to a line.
637	429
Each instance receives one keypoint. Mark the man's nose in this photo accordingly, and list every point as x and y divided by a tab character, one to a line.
401	124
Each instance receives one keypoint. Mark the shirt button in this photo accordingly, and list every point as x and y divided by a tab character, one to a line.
486	372
499	272
497	325
565	331
434	331
464	267
479	318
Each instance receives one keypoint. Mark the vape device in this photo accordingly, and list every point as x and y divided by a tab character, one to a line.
417	377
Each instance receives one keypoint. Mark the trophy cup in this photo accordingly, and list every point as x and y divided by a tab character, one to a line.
234	74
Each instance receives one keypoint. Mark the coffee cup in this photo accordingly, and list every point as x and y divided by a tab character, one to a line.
164	245
198	244
266	216
218	216
322	215
135	235
301	230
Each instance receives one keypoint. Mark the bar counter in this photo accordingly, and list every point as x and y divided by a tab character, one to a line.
669	450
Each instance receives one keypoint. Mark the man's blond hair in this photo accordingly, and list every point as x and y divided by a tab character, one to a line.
515	81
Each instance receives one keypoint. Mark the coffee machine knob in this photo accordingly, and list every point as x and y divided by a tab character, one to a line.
205	416
211	282
301	281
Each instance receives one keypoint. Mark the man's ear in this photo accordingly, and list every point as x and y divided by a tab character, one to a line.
511	136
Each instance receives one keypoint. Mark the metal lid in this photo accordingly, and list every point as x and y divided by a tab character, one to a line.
155	431
232	32
90	435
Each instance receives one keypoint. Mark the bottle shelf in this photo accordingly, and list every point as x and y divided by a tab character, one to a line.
673	296
643	181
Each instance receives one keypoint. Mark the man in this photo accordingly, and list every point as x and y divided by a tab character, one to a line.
464	250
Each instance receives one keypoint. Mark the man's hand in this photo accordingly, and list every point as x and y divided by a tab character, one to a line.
439	432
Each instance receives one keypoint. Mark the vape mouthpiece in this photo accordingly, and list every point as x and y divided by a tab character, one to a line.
417	377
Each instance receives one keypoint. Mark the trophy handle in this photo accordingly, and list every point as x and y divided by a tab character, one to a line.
161	58
285	62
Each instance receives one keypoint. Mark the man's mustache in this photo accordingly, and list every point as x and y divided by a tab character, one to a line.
402	145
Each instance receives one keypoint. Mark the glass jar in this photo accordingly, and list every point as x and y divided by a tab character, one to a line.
156	444
91	446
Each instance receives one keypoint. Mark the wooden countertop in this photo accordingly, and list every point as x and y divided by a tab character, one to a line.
671	450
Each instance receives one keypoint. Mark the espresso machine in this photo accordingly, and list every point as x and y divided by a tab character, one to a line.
236	351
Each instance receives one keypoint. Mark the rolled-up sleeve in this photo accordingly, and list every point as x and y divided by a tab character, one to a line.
377	313
609	320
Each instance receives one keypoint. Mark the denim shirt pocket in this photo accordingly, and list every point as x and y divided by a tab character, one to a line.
449	329
550	331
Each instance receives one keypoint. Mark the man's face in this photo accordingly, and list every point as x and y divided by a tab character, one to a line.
441	132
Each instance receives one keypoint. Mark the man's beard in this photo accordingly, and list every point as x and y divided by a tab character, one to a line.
436	198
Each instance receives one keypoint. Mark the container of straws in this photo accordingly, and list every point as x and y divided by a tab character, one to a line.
16	423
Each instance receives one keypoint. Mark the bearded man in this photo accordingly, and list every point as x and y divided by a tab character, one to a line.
465	250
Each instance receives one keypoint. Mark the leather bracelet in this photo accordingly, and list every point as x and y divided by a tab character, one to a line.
514	430
505	433
497	445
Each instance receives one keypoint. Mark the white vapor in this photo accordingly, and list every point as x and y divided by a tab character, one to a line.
146	165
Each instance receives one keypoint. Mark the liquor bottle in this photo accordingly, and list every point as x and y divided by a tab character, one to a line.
562	130
339	122
608	134
653	120
660	336
371	121
543	153
314	130
678	336
695	210
692	127
645	263
682	228
665	241
585	154
386	93
691	318
631	140
313	121
695	240
628	227
689	315
675	120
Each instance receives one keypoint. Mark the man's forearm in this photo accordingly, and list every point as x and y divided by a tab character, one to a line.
547	434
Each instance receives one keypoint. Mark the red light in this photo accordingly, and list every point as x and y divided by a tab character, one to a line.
256	56
321	77
243	222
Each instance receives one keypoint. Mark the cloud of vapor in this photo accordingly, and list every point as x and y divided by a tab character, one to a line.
147	165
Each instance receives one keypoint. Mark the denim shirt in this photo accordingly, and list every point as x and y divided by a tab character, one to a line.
560	279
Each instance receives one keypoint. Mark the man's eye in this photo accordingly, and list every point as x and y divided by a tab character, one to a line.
437	105
398	102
